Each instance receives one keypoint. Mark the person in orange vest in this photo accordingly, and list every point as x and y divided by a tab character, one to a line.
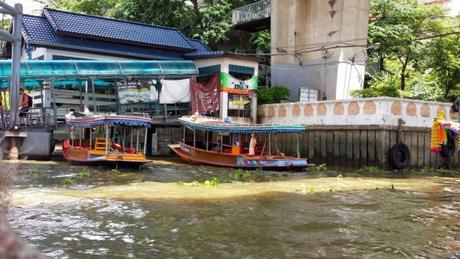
24	105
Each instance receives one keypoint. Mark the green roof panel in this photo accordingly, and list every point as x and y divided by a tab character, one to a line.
85	69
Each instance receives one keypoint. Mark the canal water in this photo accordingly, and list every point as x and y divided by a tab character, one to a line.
171	210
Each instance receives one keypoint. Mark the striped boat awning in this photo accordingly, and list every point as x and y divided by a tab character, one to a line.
100	120
214	125
90	69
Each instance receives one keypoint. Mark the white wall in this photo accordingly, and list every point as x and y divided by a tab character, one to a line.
368	111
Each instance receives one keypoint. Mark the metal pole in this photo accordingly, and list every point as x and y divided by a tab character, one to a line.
107	133
131	137
54	103
145	141
15	64
81	97
124	140
94	97
221	143
90	137
269	144
80	133
137	141
298	145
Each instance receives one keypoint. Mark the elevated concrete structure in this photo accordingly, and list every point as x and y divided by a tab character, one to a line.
319	44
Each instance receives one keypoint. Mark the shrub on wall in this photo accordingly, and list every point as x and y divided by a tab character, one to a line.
274	94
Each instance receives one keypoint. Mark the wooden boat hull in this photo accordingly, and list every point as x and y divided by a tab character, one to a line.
198	156
85	155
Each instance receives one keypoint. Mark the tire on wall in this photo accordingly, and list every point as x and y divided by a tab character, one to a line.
399	156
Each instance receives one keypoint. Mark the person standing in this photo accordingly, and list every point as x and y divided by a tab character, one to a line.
24	106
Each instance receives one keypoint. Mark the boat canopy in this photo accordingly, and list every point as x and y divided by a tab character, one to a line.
90	69
214	125
100	120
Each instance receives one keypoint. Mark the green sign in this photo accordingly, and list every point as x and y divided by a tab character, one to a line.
228	81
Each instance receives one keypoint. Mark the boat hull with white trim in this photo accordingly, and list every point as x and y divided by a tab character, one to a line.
226	144
203	157
107	138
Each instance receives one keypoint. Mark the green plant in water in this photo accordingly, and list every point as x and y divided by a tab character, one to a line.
211	183
320	168
66	181
370	169
35	171
241	175
304	190
81	175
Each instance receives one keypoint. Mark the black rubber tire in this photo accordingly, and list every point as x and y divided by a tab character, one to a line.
399	156
449	149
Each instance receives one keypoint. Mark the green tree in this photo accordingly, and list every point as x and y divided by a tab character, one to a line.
443	59
95	7
399	26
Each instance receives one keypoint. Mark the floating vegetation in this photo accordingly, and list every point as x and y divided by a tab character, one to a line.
81	175
66	181
370	169
211	183
304	190
35	171
241	175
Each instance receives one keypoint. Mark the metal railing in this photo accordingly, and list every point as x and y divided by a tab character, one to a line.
44	118
254	11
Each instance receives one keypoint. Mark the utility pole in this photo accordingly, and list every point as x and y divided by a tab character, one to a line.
16	40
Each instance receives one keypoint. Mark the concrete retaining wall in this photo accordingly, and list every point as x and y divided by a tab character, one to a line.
357	133
358	146
372	111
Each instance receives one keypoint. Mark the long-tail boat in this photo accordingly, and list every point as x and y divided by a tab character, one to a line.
228	144
106	138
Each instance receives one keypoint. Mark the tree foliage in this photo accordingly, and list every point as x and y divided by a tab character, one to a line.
418	46
272	95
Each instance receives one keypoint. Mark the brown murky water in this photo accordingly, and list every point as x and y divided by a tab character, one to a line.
151	213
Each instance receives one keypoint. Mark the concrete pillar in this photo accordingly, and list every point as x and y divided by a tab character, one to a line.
254	108
315	43
13	154
223	106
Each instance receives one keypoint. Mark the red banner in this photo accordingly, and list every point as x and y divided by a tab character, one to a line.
205	98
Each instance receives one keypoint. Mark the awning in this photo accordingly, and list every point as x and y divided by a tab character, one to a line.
57	83
87	122
214	125
86	69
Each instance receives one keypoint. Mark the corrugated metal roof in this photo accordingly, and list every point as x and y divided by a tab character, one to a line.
38	31
96	27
